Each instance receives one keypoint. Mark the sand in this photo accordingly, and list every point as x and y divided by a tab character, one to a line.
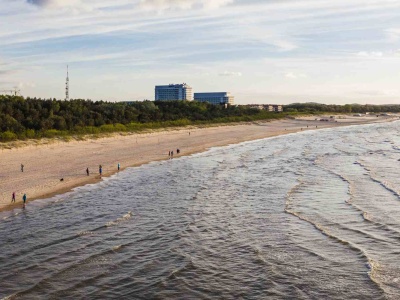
45	165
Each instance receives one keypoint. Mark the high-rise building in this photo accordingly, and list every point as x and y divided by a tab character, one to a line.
173	92
215	98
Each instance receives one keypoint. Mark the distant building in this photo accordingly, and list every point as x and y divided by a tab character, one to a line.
256	106
273	107
215	98
269	107
173	92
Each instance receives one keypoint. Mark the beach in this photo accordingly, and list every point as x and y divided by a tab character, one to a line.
58	167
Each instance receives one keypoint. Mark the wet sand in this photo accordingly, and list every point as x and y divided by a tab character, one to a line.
45	165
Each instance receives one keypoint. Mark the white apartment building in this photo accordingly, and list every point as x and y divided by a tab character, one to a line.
273	107
173	92
268	107
215	98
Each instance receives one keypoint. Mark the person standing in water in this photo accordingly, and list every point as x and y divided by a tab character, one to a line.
13	197
24	199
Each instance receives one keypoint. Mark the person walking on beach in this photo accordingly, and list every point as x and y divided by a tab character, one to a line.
119	166
24	199
87	171
100	170
13	197
22	168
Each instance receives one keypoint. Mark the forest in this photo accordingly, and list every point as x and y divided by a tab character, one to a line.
26	118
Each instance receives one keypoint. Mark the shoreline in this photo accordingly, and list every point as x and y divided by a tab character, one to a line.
46	164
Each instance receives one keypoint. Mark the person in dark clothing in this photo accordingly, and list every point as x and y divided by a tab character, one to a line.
87	171
13	197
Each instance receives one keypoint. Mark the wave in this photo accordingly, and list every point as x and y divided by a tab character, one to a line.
98	264
367	216
189	265
119	220
72	237
9	297
85	233
344	151
372	265
385	184
117	248
289	210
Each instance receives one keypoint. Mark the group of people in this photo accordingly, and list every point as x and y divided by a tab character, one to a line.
14	194
171	153
23	198
101	169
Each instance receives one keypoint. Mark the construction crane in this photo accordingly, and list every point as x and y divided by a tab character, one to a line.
14	92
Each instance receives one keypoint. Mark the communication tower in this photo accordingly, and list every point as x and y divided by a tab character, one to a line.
67	87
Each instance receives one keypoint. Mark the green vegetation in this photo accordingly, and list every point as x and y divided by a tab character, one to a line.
27	118
311	108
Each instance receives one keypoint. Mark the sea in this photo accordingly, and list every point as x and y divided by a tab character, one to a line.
310	215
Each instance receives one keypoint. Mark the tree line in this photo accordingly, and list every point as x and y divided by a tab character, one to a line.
22	118
348	108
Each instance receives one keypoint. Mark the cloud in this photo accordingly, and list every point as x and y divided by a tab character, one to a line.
372	54
182	4
40	2
292	75
146	4
6	72
378	93
54	3
393	34
22	85
230	74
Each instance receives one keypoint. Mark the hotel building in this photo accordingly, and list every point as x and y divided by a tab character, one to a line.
215	98
173	92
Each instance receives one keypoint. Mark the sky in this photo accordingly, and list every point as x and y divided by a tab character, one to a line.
262	51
